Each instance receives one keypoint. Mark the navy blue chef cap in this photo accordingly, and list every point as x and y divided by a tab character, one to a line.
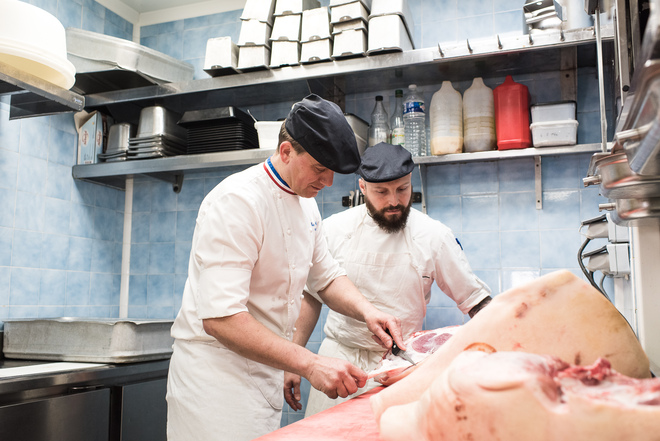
320	127
385	162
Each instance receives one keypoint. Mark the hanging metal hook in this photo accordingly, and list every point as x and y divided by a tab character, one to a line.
530	38
562	37
468	45
499	42
440	50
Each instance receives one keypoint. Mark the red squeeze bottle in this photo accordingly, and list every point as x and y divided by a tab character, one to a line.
511	101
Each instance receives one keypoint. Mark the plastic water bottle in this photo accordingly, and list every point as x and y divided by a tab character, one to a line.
379	129
414	120
479	118
446	121
396	122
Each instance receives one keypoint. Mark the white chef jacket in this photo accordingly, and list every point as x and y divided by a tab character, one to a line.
395	272
255	246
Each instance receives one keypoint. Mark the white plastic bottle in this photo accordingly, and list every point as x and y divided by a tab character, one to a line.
379	129
414	120
397	129
479	118
446	121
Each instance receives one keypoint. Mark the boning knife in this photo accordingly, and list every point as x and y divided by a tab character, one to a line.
398	352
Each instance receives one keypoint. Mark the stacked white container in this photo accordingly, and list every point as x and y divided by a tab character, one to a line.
446	120
349	27
554	124
285	38
390	26
479	118
254	38
315	36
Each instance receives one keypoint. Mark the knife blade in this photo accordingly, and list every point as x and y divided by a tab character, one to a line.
396	350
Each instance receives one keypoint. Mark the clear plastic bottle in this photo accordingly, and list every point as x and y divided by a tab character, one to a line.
479	118
414	119
396	122
379	129
446	121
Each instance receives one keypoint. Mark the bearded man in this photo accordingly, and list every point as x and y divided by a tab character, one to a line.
393	254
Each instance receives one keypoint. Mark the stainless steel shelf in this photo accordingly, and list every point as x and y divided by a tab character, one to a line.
495	155
32	96
173	168
486	57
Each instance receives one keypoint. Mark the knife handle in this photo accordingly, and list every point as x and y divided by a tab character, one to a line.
395	348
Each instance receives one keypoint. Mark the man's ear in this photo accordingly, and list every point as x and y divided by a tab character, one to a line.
362	185
285	151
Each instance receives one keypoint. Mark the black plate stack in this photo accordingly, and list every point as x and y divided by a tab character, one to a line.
219	129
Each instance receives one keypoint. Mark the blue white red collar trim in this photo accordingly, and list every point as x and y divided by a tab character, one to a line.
276	178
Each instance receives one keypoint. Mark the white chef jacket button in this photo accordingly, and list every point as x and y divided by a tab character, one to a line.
293	266
294	329
288	231
292	302
302	296
311	264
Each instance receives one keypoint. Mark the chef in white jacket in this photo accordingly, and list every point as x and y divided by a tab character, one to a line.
258	240
392	253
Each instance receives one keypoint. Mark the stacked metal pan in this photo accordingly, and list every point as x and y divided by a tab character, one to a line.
158	135
219	129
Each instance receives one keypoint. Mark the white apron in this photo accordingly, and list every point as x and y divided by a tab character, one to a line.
393	283
253	390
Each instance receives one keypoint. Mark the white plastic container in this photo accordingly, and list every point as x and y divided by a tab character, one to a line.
221	52
34	41
253	57
285	53
347	12
479	118
254	33
387	33
287	7
315	24
560	111
317	50
349	25
350	43
547	134
287	28
268	132
446	121
261	10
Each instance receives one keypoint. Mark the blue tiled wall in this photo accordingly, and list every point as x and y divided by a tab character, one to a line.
60	239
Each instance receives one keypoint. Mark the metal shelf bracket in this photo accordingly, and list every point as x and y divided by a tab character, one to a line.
538	182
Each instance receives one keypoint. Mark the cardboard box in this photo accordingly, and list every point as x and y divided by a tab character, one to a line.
92	135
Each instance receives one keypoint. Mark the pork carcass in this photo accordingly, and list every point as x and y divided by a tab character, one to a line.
420	345
557	314
517	396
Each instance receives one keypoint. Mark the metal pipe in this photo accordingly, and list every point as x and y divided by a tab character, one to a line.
601	81
126	249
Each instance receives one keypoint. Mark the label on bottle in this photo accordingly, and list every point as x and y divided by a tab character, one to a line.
398	136
413	106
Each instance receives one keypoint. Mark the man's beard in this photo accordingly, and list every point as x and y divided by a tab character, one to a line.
390	225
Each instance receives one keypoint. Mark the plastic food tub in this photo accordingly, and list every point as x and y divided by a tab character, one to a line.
547	134
560	111
34	41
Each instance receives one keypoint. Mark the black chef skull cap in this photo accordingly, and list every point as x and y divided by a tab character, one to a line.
320	127
385	162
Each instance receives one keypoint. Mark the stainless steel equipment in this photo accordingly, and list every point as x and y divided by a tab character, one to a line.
105	63
90	340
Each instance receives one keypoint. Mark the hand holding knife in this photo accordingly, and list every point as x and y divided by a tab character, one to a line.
398	352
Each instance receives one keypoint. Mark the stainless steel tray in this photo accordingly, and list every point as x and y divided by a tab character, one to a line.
87	340
106	63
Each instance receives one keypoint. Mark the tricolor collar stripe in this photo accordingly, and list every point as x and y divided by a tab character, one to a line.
276	178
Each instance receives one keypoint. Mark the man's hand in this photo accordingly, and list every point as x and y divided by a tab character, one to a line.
379	323
292	390
335	377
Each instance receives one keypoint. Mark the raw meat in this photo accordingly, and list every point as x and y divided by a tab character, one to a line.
557	314
419	346
513	396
